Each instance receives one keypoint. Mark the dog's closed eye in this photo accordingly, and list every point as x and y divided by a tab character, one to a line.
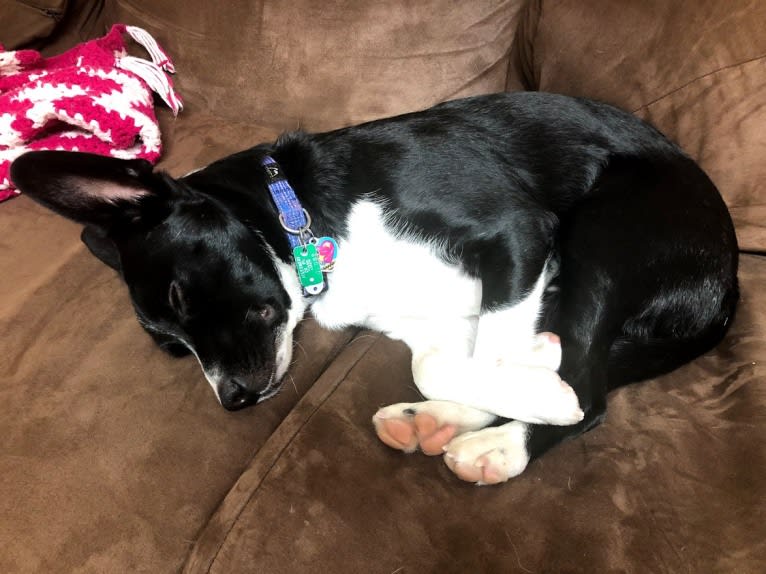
176	299
265	312
268	313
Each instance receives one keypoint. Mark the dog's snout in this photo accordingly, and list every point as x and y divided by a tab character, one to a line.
235	394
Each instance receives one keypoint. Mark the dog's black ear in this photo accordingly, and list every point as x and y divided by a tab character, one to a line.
88	188
101	246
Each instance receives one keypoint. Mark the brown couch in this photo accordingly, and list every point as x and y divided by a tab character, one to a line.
117	458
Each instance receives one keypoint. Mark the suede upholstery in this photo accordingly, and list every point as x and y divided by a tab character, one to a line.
116	458
28	22
693	69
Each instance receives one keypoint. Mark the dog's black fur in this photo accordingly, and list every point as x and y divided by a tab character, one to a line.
644	245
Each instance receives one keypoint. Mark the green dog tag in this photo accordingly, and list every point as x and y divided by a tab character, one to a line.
309	268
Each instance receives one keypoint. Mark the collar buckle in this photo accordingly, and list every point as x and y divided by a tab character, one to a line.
296	221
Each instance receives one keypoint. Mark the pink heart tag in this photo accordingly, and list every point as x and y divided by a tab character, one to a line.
327	249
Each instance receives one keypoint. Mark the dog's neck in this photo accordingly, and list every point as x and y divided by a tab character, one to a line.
315	170
295	220
318	174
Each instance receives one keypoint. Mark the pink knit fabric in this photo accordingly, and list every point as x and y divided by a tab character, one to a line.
93	98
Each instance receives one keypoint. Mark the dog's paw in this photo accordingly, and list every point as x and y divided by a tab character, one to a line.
532	395
544	352
490	455
427	425
556	403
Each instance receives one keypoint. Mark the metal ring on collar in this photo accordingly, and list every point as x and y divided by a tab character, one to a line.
296	231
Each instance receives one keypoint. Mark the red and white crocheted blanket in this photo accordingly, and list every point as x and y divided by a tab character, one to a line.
93	98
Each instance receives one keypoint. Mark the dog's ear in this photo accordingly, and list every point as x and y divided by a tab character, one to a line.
101	246
91	189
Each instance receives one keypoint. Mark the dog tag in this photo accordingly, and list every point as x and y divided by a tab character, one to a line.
327	249
308	267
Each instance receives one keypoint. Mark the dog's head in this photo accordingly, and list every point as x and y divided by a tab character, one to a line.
201	275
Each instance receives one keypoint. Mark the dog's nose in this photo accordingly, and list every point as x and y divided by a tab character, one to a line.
234	395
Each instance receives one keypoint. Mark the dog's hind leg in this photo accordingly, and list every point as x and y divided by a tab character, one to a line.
654	295
583	313
591	367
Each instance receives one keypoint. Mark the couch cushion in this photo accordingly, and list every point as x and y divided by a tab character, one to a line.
25	22
321	65
672	482
49	25
114	455
696	69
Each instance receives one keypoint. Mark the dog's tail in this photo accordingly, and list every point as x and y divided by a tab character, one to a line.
634	358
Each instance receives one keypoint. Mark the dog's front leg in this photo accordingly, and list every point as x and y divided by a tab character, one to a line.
469	394
522	392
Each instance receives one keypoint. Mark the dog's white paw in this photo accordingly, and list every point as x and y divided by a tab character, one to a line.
558	404
428	425
490	455
545	352
536	395
539	395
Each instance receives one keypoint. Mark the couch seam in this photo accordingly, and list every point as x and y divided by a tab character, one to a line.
326	365
530	84
278	456
249	462
694	80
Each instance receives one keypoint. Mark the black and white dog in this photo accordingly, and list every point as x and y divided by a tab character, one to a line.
472	231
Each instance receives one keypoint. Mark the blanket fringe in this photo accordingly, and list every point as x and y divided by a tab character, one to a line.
153	73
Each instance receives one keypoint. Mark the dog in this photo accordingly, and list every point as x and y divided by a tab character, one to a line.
533	250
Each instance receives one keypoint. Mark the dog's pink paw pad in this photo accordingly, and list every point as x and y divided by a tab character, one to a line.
483	471
432	437
550	338
409	432
494	469
489	456
396	433
464	470
546	350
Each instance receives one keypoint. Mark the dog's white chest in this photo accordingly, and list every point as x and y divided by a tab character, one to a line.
383	282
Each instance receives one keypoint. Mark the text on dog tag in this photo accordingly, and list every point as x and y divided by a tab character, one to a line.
308	267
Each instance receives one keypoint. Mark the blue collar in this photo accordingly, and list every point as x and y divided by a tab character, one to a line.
294	219
315	256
